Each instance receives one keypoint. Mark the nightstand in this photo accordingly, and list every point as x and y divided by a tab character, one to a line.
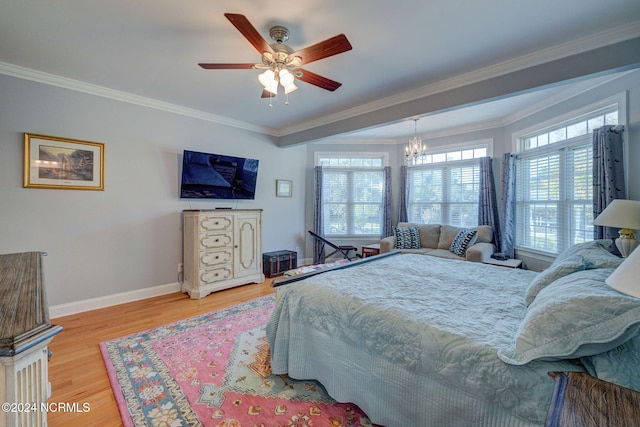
509	263
580	400
370	250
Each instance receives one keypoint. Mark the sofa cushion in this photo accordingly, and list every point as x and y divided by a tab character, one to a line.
444	253
447	234
485	234
462	241
429	233
407	237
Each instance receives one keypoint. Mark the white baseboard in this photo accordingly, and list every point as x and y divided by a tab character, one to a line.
109	300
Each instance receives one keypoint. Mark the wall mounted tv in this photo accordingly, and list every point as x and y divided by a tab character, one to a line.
215	176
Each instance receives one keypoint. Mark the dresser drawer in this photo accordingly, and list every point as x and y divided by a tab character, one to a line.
216	223
222	256
216	274
215	240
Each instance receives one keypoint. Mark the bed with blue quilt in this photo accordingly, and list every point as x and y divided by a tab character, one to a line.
415	340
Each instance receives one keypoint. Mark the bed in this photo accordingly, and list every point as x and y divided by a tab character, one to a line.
424	341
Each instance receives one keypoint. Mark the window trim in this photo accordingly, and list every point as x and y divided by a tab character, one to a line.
486	143
620	100
335	154
468	145
384	156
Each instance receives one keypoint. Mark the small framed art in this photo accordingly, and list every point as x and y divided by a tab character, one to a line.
284	188
62	163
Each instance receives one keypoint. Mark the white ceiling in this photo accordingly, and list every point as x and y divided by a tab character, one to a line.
149	49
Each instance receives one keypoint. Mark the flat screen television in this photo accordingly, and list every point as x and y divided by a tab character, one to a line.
215	176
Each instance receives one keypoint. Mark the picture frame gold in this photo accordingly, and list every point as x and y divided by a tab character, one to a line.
284	188
63	163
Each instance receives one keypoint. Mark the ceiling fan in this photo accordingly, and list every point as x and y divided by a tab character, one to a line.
282	63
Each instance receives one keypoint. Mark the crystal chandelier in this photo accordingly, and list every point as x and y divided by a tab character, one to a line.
416	149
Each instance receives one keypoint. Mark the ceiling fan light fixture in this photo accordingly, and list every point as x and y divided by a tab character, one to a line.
280	61
286	78
290	88
267	79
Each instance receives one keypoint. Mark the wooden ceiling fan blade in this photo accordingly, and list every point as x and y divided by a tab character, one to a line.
249	32
325	49
316	79
227	66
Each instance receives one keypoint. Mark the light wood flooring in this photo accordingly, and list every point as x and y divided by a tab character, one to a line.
76	369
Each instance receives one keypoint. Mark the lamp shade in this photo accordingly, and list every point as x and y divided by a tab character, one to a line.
626	278
620	213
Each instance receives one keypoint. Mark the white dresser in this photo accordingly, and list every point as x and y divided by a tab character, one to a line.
222	249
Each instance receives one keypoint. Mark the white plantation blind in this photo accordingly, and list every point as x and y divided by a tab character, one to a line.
554	208
554	183
352	194
445	193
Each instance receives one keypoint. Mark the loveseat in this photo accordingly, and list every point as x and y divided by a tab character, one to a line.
437	240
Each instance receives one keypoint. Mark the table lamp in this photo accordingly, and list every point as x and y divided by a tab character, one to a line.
623	214
625	278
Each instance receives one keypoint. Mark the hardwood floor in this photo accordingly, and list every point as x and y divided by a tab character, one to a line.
76	370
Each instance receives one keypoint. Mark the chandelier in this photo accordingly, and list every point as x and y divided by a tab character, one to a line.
416	149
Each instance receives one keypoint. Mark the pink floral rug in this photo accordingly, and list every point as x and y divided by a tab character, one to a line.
214	370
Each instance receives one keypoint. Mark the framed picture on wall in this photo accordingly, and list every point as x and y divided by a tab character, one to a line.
284	188
62	163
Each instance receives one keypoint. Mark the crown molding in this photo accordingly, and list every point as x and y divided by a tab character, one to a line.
594	41
104	92
553	99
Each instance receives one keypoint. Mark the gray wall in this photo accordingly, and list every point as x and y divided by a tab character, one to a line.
129	236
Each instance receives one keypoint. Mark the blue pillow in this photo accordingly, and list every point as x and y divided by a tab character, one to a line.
556	271
619	366
594	252
462	241
407	238
579	315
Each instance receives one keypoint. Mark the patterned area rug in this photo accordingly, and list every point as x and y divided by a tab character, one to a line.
214	370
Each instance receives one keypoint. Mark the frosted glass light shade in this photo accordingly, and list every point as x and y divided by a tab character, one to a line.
626	278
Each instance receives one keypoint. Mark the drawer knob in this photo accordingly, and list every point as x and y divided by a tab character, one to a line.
217	240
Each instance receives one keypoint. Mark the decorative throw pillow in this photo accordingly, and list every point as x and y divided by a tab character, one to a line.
578	316
556	271
407	238
462	241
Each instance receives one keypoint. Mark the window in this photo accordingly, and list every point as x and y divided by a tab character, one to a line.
352	193
444	187
554	194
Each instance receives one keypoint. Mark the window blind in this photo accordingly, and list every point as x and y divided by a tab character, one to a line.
444	194
554	197
352	201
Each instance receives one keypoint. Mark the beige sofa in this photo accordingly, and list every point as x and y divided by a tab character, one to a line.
436	240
